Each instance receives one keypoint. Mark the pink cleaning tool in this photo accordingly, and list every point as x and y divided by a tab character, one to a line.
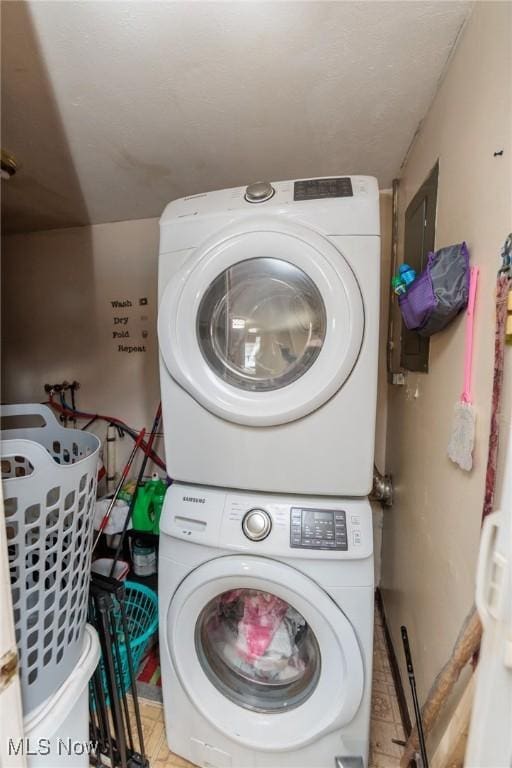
460	447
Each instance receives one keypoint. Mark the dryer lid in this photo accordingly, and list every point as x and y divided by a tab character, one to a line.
263	324
260	646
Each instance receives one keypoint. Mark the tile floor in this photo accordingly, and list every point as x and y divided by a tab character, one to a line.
385	724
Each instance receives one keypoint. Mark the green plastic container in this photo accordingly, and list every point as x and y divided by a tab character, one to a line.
148	506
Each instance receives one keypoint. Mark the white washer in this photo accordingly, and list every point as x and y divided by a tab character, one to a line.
236	694
268	332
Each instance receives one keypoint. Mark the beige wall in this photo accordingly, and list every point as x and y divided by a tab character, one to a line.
58	321
431	535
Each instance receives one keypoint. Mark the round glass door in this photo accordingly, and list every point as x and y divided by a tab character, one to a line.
261	324
257	650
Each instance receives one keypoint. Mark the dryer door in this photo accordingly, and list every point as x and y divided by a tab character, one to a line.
264	324
264	653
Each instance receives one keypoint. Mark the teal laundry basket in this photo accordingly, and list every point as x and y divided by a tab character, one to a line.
141	608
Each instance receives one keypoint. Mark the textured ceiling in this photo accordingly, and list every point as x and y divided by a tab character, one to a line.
114	108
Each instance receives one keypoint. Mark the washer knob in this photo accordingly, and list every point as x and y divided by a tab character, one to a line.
257	524
259	192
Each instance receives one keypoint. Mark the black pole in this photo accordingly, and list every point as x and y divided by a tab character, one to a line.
120	680
417	710
98	702
133	679
104	608
129	514
120	483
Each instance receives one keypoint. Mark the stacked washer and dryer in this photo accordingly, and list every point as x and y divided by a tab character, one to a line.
268	333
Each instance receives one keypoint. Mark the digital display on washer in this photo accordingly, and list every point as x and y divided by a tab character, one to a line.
312	528
316	189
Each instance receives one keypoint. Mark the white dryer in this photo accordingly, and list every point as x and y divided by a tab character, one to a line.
268	332
266	625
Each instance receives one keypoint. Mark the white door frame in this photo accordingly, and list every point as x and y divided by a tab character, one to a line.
490	734
11	714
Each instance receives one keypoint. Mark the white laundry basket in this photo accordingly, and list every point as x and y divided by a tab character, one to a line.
58	730
49	484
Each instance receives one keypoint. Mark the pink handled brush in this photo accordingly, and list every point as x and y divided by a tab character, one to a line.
462	440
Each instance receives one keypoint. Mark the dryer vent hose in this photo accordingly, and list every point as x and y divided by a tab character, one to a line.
382	488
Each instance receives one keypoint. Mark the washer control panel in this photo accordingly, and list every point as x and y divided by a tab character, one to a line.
318	189
312	528
269	525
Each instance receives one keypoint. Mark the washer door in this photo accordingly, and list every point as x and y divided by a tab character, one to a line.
263	324
271	666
